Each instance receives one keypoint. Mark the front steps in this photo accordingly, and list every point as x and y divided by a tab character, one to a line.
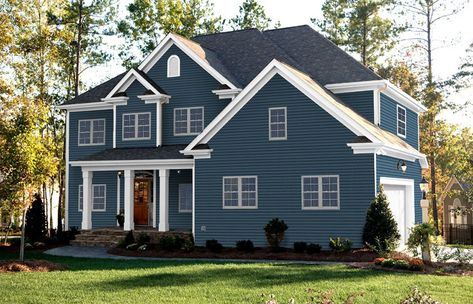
109	237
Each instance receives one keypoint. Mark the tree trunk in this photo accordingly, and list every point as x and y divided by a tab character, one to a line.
23	228
78	49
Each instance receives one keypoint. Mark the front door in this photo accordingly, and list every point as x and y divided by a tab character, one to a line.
142	199
396	195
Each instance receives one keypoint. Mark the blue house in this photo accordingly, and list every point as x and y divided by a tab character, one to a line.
218	134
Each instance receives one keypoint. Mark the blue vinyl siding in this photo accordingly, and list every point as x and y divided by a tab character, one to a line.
178	220
75	151
192	89
361	102
387	167
316	145
136	105
388	120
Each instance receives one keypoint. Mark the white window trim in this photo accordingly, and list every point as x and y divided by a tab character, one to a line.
136	126
188	133
320	192
93	209
240	192
179	199
91	132
178	66
397	121
285	123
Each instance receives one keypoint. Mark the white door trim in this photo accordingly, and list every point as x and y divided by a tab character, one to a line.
410	200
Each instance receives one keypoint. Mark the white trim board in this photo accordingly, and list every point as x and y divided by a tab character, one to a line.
143	164
181	43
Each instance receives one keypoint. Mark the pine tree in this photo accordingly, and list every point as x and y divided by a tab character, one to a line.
380	232
36	221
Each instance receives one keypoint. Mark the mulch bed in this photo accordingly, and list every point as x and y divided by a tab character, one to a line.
29	266
357	255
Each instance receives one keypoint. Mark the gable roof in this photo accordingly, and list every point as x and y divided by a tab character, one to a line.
383	142
129	78
464	186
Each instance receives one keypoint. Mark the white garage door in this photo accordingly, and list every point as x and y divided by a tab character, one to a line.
396	195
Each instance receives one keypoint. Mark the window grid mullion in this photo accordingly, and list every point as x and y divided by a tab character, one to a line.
319	179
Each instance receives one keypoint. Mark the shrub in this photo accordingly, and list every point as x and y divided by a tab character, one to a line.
167	243
401	264
378	261
416	264
129	238
300	247
179	242
421	236
418	297
121	244
462	256
245	245
340	244
133	246
143	239
274	231
388	263
35	228
313	248
380	233
214	246
188	246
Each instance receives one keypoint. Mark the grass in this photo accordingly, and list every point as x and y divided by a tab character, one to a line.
138	281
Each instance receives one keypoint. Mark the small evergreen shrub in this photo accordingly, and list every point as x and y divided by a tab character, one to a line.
420	236
213	246
389	263
401	264
313	248
129	238
340	245
35	228
300	247
188	246
178	242
143	239
245	246
380	232
274	231
167	243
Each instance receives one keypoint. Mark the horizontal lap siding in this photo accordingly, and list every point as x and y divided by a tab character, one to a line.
192	89
389	120
136	105
316	145
178	220
387	167
361	102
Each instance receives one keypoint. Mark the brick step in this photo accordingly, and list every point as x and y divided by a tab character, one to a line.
105	238
91	243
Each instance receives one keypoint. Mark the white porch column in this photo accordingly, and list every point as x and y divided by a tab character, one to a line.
163	200
155	199
159	123
86	199
129	193
424	204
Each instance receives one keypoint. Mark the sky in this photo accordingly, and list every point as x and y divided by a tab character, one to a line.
455	33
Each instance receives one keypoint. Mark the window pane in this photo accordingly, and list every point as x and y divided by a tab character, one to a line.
129	126
180	121
310	191
196	120
84	132
277	123
401	121
248	191
98	197
230	195
329	191
81	198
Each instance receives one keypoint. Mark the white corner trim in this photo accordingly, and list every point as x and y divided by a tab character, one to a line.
66	182
273	68
166	43
226	93
391	91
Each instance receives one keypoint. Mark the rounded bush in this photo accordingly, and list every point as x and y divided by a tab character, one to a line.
213	246
245	245
313	248
300	247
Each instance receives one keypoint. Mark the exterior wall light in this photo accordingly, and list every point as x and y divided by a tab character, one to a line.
401	165
424	186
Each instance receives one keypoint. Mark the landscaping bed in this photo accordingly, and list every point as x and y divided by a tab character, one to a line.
30	266
356	255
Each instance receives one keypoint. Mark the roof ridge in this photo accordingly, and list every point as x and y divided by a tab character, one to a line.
285	28
225	32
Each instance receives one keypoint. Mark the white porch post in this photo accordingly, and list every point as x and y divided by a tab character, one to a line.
164	200
154	198
128	189
86	199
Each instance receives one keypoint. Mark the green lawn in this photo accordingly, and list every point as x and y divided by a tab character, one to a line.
109	281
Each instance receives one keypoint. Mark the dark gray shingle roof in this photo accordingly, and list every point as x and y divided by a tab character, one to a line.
162	152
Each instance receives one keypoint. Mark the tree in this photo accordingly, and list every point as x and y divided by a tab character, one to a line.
359	26
147	21
401	74
424	15
36	222
380	232
251	15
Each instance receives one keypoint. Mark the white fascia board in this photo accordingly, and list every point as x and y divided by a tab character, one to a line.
198	154
383	149
391	91
155	98
127	80
170	39
273	68
88	106
226	93
144	164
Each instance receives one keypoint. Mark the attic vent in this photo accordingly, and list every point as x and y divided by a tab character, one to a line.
174	66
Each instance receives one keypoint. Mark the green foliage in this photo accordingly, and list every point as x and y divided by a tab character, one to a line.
380	232
252	15
418	297
300	247
313	248
213	246
274	231
129	238
245	246
340	245
420	236
188	246
36	229
143	238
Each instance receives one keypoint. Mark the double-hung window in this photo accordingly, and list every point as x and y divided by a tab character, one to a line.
99	196
91	132
136	126
188	121
240	192
277	123
185	197
401	121
320	192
